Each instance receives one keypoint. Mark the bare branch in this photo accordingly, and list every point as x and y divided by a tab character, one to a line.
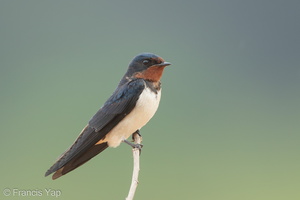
136	166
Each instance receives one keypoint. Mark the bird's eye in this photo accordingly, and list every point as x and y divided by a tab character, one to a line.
146	62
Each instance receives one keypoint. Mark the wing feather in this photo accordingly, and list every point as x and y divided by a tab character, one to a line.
114	110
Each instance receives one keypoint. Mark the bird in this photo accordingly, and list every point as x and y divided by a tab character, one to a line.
126	111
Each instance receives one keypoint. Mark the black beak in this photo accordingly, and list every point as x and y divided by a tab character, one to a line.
164	64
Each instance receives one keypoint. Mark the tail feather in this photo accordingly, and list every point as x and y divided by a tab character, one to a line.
78	161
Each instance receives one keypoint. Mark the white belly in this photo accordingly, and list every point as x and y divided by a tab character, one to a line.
144	110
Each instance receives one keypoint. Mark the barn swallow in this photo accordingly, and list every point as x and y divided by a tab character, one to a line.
130	107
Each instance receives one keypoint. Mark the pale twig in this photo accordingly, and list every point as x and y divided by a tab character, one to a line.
136	166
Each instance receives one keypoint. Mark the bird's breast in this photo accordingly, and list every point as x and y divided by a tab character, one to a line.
143	111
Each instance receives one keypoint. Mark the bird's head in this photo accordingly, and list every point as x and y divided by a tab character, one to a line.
147	66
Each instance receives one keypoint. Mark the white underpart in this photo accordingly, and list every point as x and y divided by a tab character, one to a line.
144	110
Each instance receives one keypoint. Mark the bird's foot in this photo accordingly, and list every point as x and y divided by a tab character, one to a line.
133	145
137	139
137	132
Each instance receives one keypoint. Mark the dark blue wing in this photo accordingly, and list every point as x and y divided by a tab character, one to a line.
120	104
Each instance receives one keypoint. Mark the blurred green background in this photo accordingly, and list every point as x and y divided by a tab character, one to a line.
228	123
